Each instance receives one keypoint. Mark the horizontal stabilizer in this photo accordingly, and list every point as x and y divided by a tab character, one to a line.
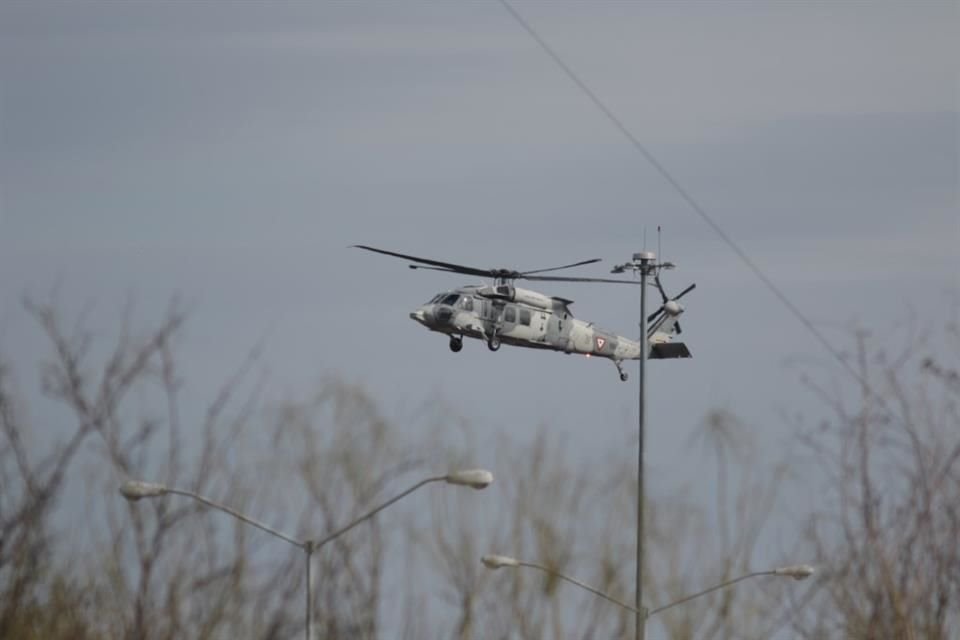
669	350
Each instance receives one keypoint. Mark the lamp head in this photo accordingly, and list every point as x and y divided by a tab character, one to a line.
474	478
496	562
134	490
795	571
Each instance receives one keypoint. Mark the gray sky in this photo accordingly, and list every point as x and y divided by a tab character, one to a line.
232	153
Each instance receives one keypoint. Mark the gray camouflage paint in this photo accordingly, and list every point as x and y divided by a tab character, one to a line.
551	326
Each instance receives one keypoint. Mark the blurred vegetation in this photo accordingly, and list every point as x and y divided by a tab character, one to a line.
77	561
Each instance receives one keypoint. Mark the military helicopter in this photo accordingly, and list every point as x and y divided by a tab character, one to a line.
504	314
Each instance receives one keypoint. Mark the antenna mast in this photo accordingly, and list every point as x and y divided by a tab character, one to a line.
659	252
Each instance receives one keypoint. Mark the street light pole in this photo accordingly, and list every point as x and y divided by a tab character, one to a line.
308	623
134	490
645	263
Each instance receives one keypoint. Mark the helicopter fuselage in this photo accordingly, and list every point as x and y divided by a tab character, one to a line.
525	318
522	318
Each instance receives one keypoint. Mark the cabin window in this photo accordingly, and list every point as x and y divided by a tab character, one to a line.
510	314
525	317
450	299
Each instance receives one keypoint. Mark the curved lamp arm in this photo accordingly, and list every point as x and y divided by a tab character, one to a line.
496	562
473	478
135	490
370	514
579	584
797	572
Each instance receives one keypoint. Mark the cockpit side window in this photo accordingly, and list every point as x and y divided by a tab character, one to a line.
466	303
450	299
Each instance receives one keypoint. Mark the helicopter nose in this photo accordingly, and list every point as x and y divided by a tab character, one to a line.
421	315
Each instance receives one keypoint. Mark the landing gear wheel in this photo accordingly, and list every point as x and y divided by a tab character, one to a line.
456	344
493	343
623	374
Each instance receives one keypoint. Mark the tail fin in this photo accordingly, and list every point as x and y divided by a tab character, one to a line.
660	338
666	325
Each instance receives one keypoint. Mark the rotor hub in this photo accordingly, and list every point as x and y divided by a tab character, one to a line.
506	275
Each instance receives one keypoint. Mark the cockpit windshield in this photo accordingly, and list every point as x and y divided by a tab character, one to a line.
444	298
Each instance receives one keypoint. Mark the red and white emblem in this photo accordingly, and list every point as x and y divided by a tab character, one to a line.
600	343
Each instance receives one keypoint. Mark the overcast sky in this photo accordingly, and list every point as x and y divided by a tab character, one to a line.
231	153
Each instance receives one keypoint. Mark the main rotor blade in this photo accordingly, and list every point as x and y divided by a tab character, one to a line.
444	269
686	291
458	268
566	266
572	279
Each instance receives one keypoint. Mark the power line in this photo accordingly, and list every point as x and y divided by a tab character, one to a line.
685	195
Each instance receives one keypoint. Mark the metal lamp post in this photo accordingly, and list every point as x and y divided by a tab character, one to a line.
646	259
134	490
644	263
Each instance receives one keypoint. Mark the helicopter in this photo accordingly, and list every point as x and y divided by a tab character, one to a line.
502	313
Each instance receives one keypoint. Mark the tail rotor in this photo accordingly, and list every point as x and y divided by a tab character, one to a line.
670	305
